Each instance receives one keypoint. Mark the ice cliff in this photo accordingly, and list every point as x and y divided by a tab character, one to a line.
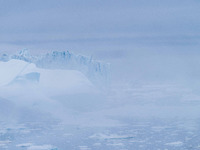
97	72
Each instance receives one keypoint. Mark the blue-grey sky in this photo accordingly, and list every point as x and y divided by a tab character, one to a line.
143	35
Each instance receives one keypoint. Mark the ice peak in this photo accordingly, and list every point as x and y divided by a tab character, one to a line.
24	52
23	55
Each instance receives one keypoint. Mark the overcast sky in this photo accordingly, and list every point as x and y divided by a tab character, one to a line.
140	35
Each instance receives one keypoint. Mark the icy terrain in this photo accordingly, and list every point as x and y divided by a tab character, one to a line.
51	102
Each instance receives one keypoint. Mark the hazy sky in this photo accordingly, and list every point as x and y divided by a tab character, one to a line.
138	37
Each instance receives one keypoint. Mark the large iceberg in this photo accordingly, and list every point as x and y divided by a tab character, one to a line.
18	72
97	72
51	83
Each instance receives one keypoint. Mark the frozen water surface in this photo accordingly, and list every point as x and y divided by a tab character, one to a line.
136	134
108	128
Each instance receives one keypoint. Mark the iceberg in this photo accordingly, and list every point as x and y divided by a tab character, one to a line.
97	72
19	72
52	83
